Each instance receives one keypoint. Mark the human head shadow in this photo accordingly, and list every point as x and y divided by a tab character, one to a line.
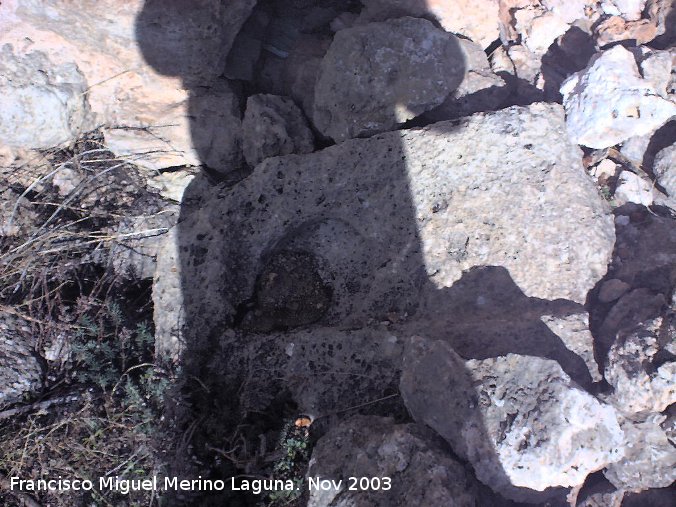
355	248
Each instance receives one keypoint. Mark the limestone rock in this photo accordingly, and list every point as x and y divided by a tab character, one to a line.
616	29
377	76
20	371
632	188
477	20
138	240
273	126
421	470
665	169
609	101
390	216
519	420
543	31
630	9
140	60
42	104
649	460
642	383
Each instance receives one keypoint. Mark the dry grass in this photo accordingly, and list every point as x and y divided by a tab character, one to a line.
96	415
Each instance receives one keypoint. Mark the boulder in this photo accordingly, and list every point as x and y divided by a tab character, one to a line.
139	60
632	188
43	104
665	169
519	420
477	20
643	382
385	219
377	76
419	468
609	101
649	460
630	9
20	371
273	126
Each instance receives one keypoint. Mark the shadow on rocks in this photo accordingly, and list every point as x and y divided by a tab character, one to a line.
302	243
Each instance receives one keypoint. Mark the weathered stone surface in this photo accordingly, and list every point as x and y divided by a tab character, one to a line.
273	126
519	420
20	371
665	169
477	20
642	383
138	240
616	28
649	460
138	58
325	370
630	9
42	104
480	90
377	76
609	101
388	216
208	132
421	470
632	188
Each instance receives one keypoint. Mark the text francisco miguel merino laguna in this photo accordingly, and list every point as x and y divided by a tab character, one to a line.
125	486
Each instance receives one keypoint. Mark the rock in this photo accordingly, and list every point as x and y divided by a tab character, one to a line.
519	420
133	254
609	101
543	31
377	76
665	169
616	29
295	75
632	188
630	9
612	289
476	20
208	133
323	369
43	104
191	41
569	10
642	383
425	207
604	171
480	90
645	252
421	470
649	460
168	299
20	371
656	67
273	126
138	60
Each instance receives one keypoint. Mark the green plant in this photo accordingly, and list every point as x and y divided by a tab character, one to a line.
294	446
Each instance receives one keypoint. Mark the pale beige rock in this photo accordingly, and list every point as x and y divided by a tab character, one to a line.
124	89
476	19
649	460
